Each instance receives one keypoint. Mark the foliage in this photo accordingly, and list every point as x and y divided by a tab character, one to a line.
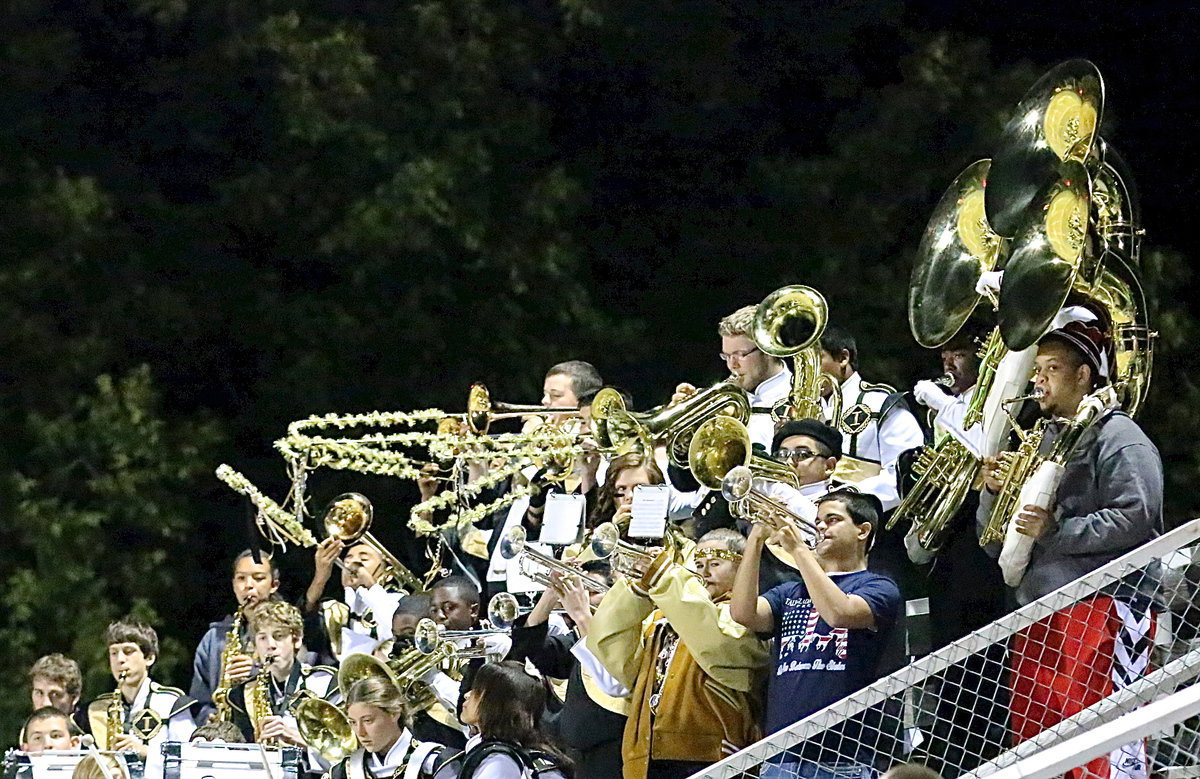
98	519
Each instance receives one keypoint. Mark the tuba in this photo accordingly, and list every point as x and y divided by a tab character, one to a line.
789	323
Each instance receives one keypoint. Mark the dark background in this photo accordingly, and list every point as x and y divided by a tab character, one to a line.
220	217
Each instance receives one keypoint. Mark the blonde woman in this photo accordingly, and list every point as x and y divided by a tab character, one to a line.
379	717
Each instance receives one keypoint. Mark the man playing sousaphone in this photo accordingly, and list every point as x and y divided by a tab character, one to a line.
1109	501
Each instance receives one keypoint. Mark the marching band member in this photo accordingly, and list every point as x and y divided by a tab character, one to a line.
504	706
55	680
377	711
965	588
875	424
438	721
693	671
829	627
363	619
615	499
1108	502
592	720
255	579
150	713
455	605
48	728
261	704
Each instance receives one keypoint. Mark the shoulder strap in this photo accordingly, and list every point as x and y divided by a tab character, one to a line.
417	758
475	757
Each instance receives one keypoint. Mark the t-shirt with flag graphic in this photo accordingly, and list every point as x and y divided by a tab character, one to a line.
816	664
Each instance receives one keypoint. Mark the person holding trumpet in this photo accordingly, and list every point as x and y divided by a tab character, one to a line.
694	674
829	628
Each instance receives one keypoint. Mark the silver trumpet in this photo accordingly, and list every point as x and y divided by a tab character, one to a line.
749	502
513	546
430	638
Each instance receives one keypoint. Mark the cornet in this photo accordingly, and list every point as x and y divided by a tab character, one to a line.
750	503
513	545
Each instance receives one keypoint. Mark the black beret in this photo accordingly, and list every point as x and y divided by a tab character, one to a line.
829	437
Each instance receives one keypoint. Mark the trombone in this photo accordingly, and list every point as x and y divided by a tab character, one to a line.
753	504
348	519
514	545
482	412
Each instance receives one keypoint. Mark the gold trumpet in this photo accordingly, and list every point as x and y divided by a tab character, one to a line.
348	519
514	546
482	412
789	323
616	426
750	503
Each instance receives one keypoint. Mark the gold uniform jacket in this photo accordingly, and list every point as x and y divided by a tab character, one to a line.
707	705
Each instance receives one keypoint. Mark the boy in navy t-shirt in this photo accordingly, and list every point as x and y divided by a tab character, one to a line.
830	629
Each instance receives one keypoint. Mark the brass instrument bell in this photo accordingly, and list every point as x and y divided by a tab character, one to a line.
481	411
789	323
348	519
723	443
513	545
324	727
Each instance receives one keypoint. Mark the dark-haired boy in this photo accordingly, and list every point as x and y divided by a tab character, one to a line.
829	627
48	728
254	581
151	713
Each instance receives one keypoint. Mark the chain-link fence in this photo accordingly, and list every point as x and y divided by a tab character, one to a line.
1085	655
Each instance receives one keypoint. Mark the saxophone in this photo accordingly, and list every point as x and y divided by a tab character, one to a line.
258	705
233	648
115	715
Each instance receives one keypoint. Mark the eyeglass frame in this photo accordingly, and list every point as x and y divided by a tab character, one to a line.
738	356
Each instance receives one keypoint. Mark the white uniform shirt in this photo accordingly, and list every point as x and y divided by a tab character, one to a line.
949	421
872	441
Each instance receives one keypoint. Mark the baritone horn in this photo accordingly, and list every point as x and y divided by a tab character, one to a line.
348	519
514	546
324	726
723	443
618	427
789	323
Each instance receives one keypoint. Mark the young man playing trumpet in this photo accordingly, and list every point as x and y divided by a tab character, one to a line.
694	673
829	628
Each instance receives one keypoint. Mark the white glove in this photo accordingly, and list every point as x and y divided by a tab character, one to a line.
930	394
989	284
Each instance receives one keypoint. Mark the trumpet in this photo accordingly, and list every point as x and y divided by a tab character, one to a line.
513	545
749	502
482	412
606	544
432	639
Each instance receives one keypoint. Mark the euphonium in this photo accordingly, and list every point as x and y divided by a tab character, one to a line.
723	443
233	648
115	715
323	726
676	424
789	323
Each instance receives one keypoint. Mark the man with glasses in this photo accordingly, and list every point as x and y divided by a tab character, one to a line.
766	379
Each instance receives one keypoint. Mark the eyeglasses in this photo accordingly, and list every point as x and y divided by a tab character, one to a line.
797	455
737	356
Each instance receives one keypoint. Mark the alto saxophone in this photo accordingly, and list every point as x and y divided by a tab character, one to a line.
258	705
233	648
115	715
